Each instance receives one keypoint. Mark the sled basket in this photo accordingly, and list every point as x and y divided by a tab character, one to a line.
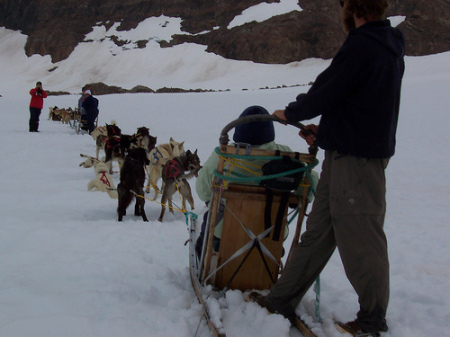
249	255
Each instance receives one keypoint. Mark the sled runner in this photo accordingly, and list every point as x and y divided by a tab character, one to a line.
254	212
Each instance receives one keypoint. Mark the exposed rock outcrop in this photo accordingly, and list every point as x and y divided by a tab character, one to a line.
55	27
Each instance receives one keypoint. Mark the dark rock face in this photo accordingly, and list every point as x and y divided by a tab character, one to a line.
55	27
426	27
315	32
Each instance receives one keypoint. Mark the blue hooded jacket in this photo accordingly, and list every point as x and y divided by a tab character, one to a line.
90	105
358	95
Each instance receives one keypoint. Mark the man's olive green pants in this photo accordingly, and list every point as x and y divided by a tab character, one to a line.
348	213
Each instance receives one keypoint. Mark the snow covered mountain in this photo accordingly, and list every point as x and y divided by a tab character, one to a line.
149	43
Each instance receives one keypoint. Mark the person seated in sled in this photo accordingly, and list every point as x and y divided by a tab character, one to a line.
259	135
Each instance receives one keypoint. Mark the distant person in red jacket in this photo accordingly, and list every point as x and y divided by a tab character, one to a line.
37	102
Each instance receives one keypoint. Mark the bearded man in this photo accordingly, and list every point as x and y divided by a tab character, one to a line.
358	99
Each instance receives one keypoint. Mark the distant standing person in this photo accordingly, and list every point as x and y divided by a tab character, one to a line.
37	102
90	106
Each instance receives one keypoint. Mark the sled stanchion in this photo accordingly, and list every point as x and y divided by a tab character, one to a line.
317	302
190	215
212	222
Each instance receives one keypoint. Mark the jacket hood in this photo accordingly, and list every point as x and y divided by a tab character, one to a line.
381	31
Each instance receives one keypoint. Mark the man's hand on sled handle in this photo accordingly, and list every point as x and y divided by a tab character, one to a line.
309	133
280	114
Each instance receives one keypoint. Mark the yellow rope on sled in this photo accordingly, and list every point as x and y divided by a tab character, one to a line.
234	162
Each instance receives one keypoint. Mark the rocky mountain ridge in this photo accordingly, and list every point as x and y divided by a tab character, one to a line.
55	27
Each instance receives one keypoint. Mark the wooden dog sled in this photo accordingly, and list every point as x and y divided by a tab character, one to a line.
251	245
80	125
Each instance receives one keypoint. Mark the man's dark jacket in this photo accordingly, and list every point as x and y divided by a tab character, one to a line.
358	95
90	105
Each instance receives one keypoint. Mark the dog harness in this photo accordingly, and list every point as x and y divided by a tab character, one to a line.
113	142
103	138
157	155
104	180
114	131
173	169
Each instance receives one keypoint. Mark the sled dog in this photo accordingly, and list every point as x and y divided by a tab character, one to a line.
132	179
115	146
158	157
175	174
66	115
100	135
144	139
102	181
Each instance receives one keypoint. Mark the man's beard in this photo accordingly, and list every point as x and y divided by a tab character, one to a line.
348	20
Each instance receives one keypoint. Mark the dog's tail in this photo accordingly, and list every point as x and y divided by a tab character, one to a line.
86	156
89	162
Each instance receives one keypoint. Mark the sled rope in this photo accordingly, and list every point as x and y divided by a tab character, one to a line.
235	162
144	197
181	210
152	181
235	177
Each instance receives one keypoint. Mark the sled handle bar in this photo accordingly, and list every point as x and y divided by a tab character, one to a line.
224	139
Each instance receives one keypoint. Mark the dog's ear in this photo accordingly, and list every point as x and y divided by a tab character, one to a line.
188	153
195	153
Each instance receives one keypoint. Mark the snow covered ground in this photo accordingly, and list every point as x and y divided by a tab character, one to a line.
68	268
